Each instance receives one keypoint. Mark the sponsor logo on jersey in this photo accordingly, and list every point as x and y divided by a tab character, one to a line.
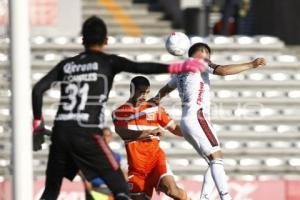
150	116
71	67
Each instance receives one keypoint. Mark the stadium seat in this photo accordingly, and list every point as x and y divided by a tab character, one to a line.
39	40
268	111
250	162
166	57
178	162
283	128
150	40
181	145
199	161
274	162
227	94
281	144
262	128
231	144
244	40
237	77
238	128
294	94
274	94
61	40
251	93
3	57
256	76
130	40
222	40
145	57
195	39
280	77
239	58
286	59
294	162
256	144
268	40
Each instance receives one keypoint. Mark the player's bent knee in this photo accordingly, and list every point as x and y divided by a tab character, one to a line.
216	155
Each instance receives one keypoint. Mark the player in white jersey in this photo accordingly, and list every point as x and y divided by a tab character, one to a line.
195	120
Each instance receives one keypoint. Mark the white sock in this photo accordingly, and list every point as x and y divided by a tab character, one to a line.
208	185
219	176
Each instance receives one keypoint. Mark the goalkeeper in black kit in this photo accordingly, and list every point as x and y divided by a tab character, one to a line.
85	82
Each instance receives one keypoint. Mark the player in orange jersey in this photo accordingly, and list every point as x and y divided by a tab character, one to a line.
139	123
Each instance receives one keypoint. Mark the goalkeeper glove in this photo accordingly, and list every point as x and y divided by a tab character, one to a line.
39	131
189	65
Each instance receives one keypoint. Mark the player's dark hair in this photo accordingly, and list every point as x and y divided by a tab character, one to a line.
94	31
138	81
198	46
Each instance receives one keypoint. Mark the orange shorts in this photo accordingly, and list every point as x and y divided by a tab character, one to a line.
147	165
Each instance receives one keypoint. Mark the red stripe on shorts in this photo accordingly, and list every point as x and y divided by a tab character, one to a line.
204	125
107	152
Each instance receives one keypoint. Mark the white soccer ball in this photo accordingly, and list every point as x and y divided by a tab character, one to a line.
177	43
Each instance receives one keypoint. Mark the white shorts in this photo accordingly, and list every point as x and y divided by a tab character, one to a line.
199	133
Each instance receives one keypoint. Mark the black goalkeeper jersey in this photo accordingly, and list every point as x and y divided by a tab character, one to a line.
85	82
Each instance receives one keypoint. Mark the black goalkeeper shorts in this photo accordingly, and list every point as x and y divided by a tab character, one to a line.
75	148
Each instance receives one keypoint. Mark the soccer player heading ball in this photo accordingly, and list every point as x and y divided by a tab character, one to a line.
86	80
195	120
147	166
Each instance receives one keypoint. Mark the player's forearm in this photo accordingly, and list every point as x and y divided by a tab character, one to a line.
37	101
164	91
224	70
127	134
176	130
149	68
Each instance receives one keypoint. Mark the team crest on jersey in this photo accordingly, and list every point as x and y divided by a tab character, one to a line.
150	116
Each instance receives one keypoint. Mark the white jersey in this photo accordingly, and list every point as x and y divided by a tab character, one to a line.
194	90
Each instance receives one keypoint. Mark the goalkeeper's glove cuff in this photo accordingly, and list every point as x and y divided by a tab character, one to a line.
38	124
189	65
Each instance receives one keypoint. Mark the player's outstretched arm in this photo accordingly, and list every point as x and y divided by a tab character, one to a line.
127	134
164	91
224	70
189	65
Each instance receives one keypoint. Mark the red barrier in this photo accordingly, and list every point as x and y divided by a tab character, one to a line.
240	190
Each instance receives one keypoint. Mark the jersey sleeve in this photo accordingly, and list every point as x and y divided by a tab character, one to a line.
121	64
173	82
164	120
41	86
118	117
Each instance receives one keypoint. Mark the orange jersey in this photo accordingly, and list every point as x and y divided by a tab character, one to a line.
146	160
144	117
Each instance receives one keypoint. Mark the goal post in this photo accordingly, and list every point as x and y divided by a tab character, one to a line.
21	99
